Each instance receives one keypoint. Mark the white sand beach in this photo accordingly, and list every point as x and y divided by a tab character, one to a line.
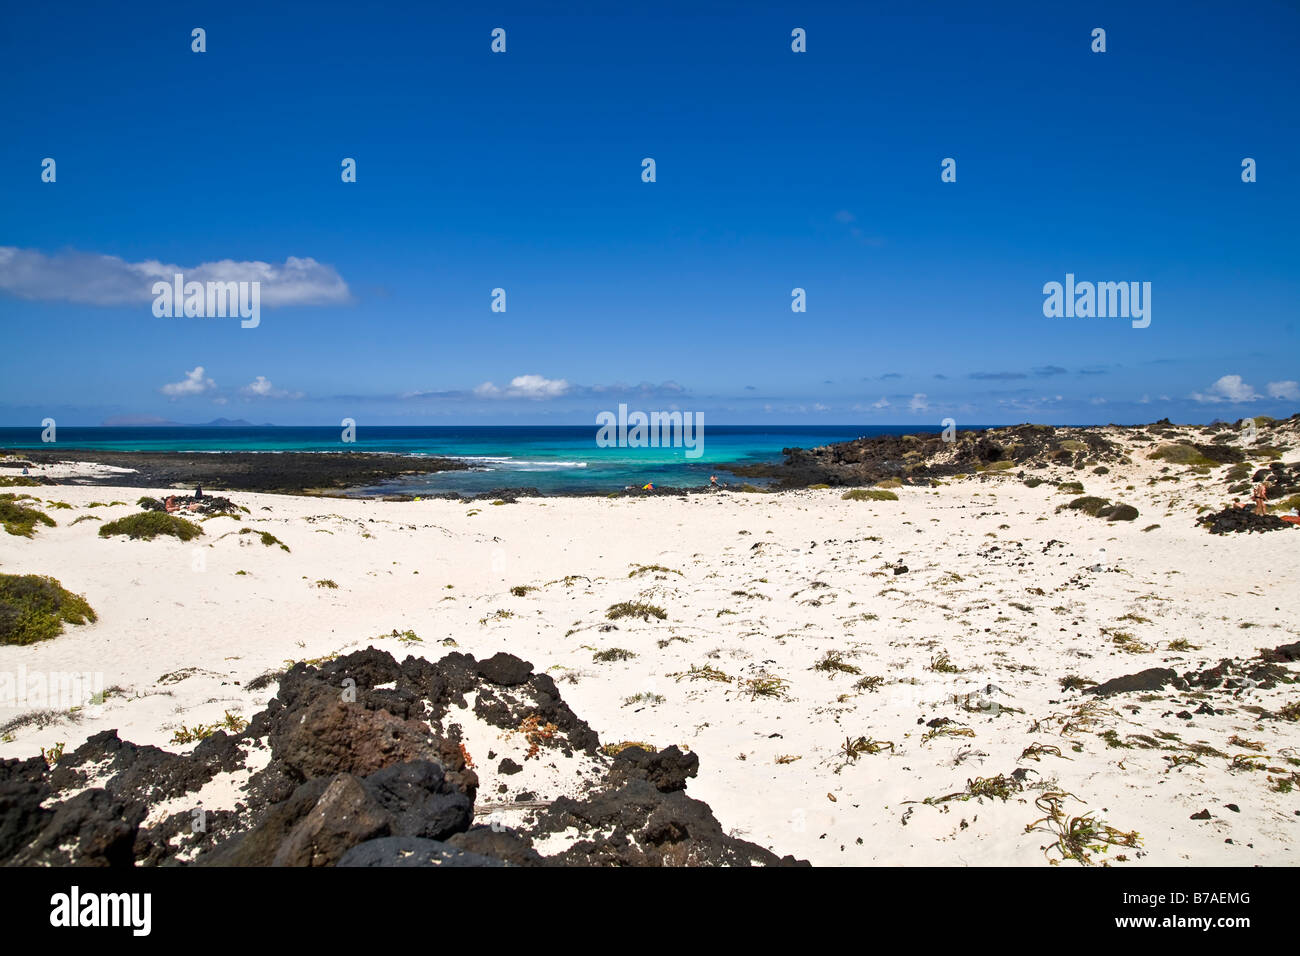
1003	598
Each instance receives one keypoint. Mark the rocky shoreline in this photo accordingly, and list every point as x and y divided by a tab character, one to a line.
362	761
918	459
277	472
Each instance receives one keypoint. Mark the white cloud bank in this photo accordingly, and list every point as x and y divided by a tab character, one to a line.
88	278
1233	389
525	386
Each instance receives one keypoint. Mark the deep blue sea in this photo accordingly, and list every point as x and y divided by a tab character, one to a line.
553	459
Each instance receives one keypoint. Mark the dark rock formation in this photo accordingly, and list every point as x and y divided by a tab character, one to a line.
915	459
1241	520
1151	679
366	768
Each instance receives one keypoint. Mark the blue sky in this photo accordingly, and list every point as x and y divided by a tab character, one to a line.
775	170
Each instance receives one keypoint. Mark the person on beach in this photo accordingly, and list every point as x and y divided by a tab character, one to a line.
170	503
713	480
1261	498
198	492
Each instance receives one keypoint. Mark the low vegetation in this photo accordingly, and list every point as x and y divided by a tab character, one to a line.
635	609
148	525
19	519
35	608
869	494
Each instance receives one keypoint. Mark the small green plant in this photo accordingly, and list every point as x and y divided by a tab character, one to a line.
645	697
612	654
148	525
764	685
833	662
267	538
869	683
520	590
635	609
644	569
707	672
327	583
941	663
54	754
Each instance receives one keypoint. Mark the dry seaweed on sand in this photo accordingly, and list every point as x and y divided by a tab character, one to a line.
1077	838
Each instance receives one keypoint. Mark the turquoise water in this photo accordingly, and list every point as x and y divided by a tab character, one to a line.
553	459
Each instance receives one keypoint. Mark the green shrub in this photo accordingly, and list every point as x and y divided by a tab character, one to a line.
34	608
1070	487
149	524
19	519
17	481
868	494
635	609
1090	505
1180	454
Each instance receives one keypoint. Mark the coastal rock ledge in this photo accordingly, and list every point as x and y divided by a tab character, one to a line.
364	761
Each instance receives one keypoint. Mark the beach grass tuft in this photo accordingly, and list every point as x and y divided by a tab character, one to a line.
635	609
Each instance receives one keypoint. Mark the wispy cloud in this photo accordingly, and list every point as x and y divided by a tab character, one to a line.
1286	390
261	387
88	278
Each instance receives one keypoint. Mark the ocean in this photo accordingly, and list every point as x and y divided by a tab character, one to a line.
553	459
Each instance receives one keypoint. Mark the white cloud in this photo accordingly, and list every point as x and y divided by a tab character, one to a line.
194	383
1229	388
883	403
92	279
1287	390
261	387
525	386
919	403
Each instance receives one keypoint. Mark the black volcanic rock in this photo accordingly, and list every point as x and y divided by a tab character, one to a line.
412	851
1151	679
367	768
916	459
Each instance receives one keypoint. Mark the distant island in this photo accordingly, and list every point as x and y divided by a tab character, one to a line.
147	421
